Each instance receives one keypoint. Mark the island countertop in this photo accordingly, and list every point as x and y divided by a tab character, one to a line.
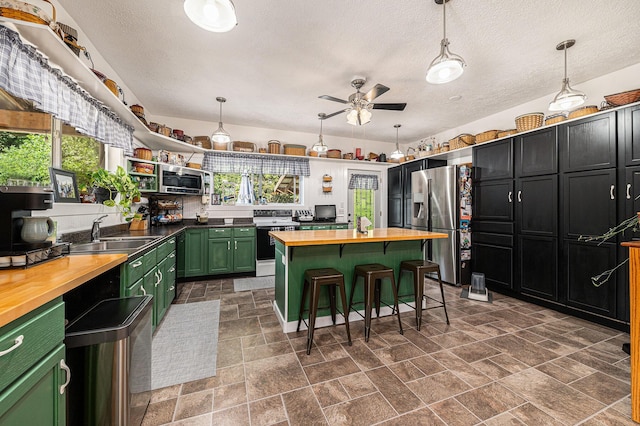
23	290
351	236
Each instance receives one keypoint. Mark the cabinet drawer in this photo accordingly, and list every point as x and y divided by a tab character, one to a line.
321	227
220	232
492	239
135	269
341	226
244	232
41	331
172	257
165	248
149	260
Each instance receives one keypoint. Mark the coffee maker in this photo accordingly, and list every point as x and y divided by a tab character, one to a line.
17	202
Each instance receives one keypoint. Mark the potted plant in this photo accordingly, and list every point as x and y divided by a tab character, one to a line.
112	183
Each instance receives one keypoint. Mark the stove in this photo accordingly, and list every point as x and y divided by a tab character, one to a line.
267	220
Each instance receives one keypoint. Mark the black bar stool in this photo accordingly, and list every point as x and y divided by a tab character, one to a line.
419	268
373	274
317	278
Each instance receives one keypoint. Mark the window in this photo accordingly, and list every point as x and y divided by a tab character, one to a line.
230	188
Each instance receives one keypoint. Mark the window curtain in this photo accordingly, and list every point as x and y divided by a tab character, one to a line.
227	162
358	181
27	74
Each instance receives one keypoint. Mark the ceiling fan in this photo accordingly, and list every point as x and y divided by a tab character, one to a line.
360	104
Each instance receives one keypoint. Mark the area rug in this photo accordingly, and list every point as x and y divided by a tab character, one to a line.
465	295
254	283
185	344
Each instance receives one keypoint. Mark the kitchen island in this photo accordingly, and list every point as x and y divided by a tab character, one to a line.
342	249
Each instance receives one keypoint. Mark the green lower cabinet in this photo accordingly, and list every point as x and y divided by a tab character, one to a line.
305	228
137	289
320	227
195	252
35	397
170	284
244	254
220	256
149	285
180	247
160	292
340	226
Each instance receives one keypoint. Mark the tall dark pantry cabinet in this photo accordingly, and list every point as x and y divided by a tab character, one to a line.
537	192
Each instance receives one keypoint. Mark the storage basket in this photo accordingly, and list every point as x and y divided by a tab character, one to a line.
143	153
508	132
529	121
461	141
137	110
164	130
220	146
487	136
348	156
294	149
585	110
313	153
26	12
203	141
194	165
555	118
623	98
274	146
113	86
334	153
445	147
244	146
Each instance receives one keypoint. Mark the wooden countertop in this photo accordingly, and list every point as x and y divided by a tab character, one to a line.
23	290
350	236
631	244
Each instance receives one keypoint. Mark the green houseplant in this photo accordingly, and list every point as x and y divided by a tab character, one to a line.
118	182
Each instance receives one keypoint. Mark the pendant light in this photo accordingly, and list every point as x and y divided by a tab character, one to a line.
397	154
567	98
446	66
320	146
221	135
218	16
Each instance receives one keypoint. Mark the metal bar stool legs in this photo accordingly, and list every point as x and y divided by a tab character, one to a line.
419	268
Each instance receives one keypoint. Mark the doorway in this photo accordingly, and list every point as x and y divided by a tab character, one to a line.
364	202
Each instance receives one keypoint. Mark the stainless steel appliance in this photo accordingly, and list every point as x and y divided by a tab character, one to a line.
178	180
265	221
303	216
441	202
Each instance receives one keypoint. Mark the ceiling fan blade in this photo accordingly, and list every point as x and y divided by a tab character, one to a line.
331	98
335	113
376	91
395	107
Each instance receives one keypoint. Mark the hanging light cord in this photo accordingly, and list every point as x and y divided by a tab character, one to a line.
220	116
565	62
444	19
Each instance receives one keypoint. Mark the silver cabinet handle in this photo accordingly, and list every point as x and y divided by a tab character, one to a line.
228	245
628	191
67	370
172	269
613	197
519	196
235	245
157	279
16	343
172	255
136	264
172	287
161	276
144	292
171	242
509	196
219	230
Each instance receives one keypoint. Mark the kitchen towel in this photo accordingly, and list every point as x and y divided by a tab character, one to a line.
185	344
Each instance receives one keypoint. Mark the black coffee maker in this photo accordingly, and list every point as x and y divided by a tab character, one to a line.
15	203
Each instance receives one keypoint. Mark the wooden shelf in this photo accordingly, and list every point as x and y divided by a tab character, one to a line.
49	44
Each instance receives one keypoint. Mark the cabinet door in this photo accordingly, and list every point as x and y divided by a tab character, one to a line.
180	248
493	259
244	254
161	291
631	134
493	161
536	153
407	169
340	226
220	256
493	200
538	266
588	144
582	262
589	205
170	283
631	199
321	227
394	218
34	398
537	205
150	280
195	253
406	223
137	289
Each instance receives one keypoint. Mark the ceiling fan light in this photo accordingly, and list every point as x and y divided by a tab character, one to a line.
567	98
364	115
446	66
212	15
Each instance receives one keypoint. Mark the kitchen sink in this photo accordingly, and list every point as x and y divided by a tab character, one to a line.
113	246
130	238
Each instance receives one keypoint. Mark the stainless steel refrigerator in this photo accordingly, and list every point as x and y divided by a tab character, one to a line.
441	202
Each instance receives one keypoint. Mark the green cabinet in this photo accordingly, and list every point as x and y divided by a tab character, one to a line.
244	249
321	227
213	251
340	226
219	252
195	252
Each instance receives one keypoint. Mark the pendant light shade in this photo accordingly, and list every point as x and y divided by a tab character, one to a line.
359	116
446	66
218	16
320	146
221	135
567	98
397	154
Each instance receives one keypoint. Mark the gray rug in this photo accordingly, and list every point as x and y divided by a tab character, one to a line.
254	283
185	344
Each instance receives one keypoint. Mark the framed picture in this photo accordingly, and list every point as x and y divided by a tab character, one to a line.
65	188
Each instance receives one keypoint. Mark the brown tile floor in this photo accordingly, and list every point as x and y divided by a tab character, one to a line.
508	362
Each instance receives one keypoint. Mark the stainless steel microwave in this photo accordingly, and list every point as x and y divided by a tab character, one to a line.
178	180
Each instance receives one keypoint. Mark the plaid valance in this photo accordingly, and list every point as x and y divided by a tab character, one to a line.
25	73
363	182
228	162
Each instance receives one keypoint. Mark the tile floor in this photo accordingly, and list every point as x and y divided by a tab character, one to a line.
508	362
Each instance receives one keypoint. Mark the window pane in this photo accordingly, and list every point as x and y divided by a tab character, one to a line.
363	203
80	154
267	189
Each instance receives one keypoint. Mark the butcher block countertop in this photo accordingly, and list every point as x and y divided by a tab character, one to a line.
23	290
351	236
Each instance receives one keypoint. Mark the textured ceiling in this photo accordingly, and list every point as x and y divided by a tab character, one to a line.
285	53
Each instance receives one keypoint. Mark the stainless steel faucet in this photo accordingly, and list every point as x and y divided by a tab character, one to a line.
95	229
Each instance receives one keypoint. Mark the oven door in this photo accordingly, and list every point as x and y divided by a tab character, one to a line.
265	244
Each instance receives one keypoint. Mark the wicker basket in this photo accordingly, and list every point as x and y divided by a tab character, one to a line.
461	141
137	110
334	153
113	86
204	141
348	156
582	111
244	146
487	136
194	165
274	147
623	98
508	132
313	153
27	12
529	121
555	118
143	153
294	149
220	146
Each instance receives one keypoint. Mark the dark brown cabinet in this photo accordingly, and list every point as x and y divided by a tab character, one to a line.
588	144
537	205
629	125
493	201
538	266
492	255
493	161
536	153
